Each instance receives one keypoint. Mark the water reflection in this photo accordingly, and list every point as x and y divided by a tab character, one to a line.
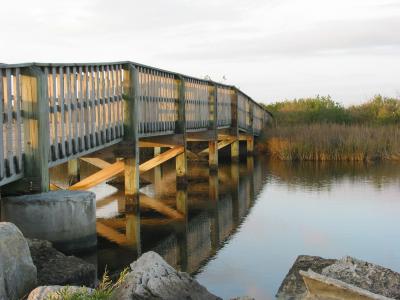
240	230
322	175
186	227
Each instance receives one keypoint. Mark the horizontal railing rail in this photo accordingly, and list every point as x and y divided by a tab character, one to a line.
82	107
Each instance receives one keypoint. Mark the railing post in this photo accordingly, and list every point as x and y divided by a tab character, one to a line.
213	127
235	125
35	107
180	128
129	148
250	131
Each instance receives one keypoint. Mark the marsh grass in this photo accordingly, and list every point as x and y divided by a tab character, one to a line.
103	291
334	142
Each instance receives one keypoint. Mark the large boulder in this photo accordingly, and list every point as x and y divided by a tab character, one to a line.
365	275
152	278
54	292
293	286
17	272
55	268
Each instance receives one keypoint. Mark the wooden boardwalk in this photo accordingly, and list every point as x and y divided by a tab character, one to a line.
58	113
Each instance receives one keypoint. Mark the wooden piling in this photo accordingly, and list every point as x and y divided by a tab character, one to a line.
250	144
180	128
35	106
73	171
234	126
129	149
213	117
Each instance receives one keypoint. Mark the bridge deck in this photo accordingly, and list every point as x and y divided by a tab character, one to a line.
52	113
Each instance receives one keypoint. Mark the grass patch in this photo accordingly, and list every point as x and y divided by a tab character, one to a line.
334	142
103	291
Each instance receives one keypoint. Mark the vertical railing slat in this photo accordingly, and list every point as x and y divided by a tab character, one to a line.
17	106
2	173
61	101
9	125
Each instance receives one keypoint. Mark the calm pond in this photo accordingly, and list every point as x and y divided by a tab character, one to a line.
243	229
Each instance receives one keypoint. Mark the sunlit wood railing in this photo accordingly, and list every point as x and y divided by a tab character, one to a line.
79	108
11	146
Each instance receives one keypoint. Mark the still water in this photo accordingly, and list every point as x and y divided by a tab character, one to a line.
240	231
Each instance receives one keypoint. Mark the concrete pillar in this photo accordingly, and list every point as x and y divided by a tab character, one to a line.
65	218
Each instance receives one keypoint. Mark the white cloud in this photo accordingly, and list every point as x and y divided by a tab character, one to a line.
273	49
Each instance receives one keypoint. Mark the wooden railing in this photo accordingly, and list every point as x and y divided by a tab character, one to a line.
11	146
56	112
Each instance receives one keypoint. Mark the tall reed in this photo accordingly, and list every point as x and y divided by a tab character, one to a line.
334	142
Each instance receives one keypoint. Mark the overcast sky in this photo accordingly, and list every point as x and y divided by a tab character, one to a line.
271	49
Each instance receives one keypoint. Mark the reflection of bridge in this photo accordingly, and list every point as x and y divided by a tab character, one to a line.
56	113
215	207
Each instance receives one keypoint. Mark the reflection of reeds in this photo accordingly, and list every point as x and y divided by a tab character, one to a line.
334	142
322	174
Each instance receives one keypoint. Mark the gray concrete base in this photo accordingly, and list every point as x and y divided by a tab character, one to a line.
65	218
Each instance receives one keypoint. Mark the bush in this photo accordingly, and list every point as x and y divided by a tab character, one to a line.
377	111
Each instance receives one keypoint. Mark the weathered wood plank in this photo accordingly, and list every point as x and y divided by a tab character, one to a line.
97	162
163	157
99	177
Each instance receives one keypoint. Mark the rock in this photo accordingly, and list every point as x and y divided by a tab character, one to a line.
55	268
152	278
65	218
243	298
293	286
51	292
365	275
17	271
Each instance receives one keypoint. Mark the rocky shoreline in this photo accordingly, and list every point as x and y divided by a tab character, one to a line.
32	269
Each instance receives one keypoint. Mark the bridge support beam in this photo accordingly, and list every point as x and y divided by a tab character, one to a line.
214	198
180	128
213	117
234	126
157	172
213	155
250	144
235	151
73	171
129	149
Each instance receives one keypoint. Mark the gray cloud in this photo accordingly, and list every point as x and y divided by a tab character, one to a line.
273	49
331	37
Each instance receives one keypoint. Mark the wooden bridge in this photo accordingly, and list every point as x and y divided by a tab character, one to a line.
59	113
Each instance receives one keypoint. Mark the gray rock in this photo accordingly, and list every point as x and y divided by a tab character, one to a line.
293	286
55	268
365	275
51	292
17	271
152	278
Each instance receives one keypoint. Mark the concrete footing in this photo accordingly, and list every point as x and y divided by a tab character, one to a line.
66	218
